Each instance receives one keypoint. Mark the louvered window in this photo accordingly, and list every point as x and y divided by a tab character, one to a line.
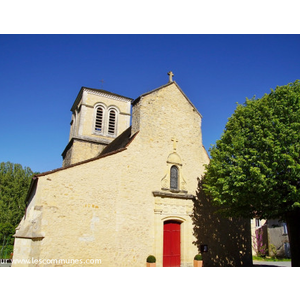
174	178
112	122
99	120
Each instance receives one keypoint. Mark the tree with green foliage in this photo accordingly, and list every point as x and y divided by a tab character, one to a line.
6	239
254	170
14	184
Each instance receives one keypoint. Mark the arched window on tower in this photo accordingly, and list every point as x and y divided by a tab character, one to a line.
99	119
112	122
174	178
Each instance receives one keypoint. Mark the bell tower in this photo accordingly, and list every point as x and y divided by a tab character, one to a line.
98	117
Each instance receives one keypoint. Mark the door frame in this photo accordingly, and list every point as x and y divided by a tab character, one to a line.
182	236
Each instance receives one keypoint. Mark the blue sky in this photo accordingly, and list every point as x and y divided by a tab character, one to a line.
40	76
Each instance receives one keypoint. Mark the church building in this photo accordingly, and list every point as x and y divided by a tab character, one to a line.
126	187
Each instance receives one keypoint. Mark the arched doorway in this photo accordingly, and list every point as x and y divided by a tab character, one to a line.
171	250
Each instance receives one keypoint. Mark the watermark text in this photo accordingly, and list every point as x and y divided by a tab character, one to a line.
45	261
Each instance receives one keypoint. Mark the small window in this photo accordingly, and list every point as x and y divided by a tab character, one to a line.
99	120
112	122
174	178
257	222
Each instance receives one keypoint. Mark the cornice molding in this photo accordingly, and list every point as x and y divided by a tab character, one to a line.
172	195
106	95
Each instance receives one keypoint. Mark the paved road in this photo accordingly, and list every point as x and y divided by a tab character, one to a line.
257	263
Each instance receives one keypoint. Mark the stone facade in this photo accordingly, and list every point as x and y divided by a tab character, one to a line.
113	206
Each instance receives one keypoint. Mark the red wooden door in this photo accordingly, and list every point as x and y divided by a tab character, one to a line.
171	257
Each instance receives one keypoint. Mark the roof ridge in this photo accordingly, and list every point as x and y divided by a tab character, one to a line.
120	141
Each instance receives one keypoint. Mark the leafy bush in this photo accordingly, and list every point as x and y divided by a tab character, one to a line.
198	257
151	259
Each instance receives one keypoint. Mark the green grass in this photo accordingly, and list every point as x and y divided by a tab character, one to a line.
270	258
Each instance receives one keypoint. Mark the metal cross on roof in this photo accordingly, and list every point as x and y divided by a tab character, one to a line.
102	81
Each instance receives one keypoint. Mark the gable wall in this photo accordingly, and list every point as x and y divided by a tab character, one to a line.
159	117
165	114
